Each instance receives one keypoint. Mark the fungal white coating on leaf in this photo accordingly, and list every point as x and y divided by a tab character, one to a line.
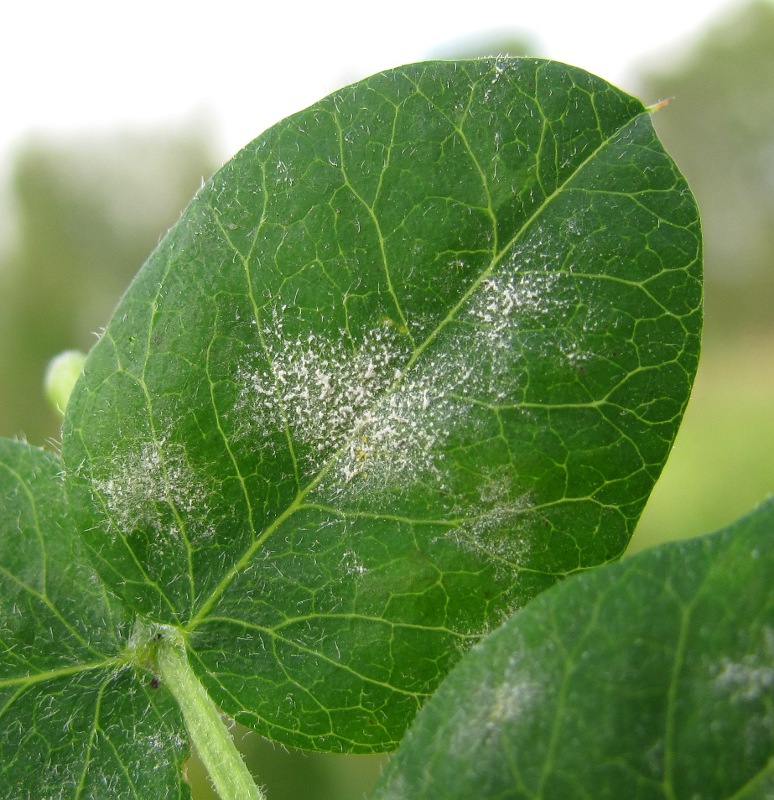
751	678
400	439
512	700
145	478
529	296
497	506
499	68
322	389
495	706
496	525
351	564
503	297
351	406
368	416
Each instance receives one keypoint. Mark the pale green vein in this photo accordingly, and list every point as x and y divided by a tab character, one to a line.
457	129
100	498
90	746
372	214
257	313
272	633
508	248
671	721
43	598
63	672
345	617
222	433
22	482
157	439
756	783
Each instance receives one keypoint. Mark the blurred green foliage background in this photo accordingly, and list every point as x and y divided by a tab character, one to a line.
86	213
720	130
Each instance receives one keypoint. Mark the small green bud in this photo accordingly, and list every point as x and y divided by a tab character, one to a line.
61	374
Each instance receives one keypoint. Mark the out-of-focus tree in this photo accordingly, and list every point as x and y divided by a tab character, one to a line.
86	214
720	130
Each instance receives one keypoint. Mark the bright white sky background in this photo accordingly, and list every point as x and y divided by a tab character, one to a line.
241	65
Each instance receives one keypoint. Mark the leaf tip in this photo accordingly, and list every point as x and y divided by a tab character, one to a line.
661	104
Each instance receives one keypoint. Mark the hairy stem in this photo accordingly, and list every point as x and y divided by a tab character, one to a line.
209	735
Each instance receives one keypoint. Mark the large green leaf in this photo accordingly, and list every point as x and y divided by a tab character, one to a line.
648	679
75	722
410	357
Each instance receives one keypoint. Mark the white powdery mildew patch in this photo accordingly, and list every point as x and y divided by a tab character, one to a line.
322	389
750	679
515	301
500	68
514	297
496	708
402	436
513	699
369	418
495	525
144	479
351	564
353	406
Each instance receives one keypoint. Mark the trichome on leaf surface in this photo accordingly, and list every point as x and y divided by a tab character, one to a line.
413	356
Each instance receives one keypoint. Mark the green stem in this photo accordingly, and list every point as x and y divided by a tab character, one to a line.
209	735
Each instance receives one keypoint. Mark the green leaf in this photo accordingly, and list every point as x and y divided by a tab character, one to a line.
410	357
74	720
651	678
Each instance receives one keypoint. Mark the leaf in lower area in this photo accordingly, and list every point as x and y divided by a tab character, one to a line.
76	720
651	678
410	357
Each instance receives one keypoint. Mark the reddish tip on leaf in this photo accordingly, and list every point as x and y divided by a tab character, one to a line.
658	106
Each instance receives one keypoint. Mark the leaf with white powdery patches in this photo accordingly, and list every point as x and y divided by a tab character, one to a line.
648	679
409	358
74	720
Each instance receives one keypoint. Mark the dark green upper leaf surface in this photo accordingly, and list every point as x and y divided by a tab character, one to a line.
410	356
74	720
651	679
